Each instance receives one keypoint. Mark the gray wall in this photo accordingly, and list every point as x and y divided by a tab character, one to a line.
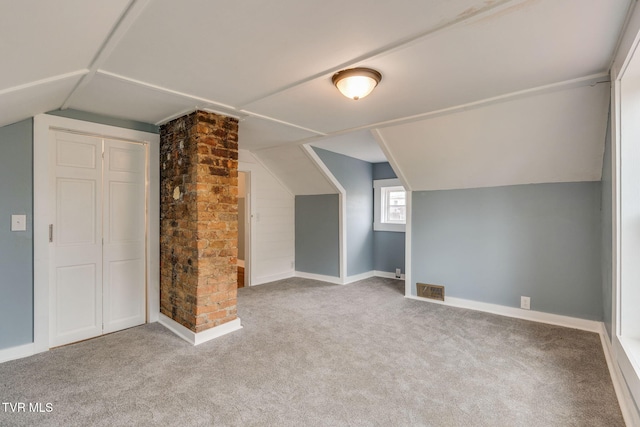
496	244
317	234
16	247
607	233
383	171
388	246
388	251
356	176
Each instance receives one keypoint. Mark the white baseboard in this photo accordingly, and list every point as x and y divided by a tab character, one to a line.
313	276
200	337
358	277
387	274
336	280
320	277
240	263
627	405
535	316
17	352
274	277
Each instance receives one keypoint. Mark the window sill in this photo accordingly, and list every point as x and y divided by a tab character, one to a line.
397	228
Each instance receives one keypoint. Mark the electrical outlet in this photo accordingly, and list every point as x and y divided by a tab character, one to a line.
525	303
398	273
18	223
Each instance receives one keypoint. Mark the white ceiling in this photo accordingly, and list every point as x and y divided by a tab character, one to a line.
295	170
359	144
270	65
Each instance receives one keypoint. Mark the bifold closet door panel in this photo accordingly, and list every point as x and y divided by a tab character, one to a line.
124	250
75	275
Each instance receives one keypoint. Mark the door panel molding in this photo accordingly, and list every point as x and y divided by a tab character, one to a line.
76	251
124	235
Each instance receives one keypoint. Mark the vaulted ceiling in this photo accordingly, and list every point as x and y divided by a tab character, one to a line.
540	66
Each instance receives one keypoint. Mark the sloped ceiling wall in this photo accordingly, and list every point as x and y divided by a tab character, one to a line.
550	137
296	170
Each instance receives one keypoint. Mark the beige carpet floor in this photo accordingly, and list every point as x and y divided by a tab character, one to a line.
315	354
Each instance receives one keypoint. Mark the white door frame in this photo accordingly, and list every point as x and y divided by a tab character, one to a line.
248	234
41	215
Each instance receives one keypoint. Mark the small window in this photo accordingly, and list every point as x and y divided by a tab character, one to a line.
390	205
394	208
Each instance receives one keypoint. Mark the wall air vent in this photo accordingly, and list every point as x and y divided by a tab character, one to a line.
430	291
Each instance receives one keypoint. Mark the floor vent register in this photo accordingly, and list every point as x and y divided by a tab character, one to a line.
430	291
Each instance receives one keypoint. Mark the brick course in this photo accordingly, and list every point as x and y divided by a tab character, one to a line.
199	220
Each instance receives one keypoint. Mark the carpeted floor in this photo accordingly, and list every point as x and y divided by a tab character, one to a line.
315	354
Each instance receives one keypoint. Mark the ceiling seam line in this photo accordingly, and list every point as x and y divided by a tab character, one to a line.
126	21
165	90
389	48
590	80
45	81
204	100
282	122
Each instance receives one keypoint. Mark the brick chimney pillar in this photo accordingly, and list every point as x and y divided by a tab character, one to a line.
199	221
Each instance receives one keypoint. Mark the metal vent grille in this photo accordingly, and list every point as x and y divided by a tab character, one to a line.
430	291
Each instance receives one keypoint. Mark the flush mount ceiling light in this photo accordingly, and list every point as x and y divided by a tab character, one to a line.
356	83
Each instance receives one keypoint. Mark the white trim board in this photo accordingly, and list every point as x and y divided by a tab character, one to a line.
387	275
625	205
334	279
358	277
321	277
518	313
194	338
268	279
625	399
627	364
17	352
408	244
45	81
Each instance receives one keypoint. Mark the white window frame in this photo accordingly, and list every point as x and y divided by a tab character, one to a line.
379	224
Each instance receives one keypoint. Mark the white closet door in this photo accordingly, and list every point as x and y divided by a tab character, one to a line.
124	253
76	249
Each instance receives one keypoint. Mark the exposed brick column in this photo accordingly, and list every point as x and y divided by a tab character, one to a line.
199	220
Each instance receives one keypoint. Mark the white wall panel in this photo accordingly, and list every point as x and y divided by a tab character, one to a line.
272	222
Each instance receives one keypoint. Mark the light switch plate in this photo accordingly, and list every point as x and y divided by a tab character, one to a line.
18	223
